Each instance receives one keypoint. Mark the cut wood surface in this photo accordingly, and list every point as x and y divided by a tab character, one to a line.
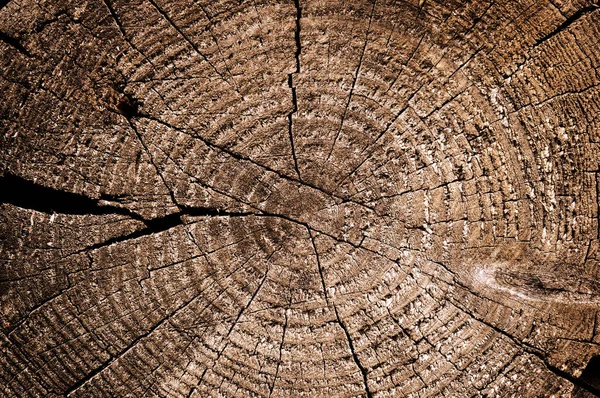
301	198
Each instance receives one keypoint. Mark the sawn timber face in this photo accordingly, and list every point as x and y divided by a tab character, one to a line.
299	198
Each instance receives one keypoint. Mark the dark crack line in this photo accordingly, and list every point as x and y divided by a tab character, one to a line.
235	322
370	149
238	156
154	227
70	203
405	108
500	371
203	323
533	351
191	43
567	23
151	158
285	326
172	220
243	309
263	213
291	124
356	74
128	107
371	146
461	285
163	365
550	99
320	267
421	7
293	87
476	21
20	192
195	180
362	369
297	34
36	307
526	347
446	102
25	358
115	17
106	364
14	43
165	223
405	64
214	37
167	318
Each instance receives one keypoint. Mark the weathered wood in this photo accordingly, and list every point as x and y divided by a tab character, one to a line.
299	198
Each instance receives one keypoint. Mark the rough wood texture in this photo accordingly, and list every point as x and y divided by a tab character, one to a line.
309	198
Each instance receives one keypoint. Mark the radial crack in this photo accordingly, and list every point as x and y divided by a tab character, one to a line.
293	87
234	324
362	369
356	73
214	37
567	23
533	351
106	364
190	42
33	196
291	124
314	245
285	326
152	162
238	156
161	224
297	34
14	43
115	17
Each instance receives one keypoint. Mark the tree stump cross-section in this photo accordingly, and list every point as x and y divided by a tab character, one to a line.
313	198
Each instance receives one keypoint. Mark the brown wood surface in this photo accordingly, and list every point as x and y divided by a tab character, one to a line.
313	198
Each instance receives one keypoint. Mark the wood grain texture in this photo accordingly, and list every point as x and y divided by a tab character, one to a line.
299	198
